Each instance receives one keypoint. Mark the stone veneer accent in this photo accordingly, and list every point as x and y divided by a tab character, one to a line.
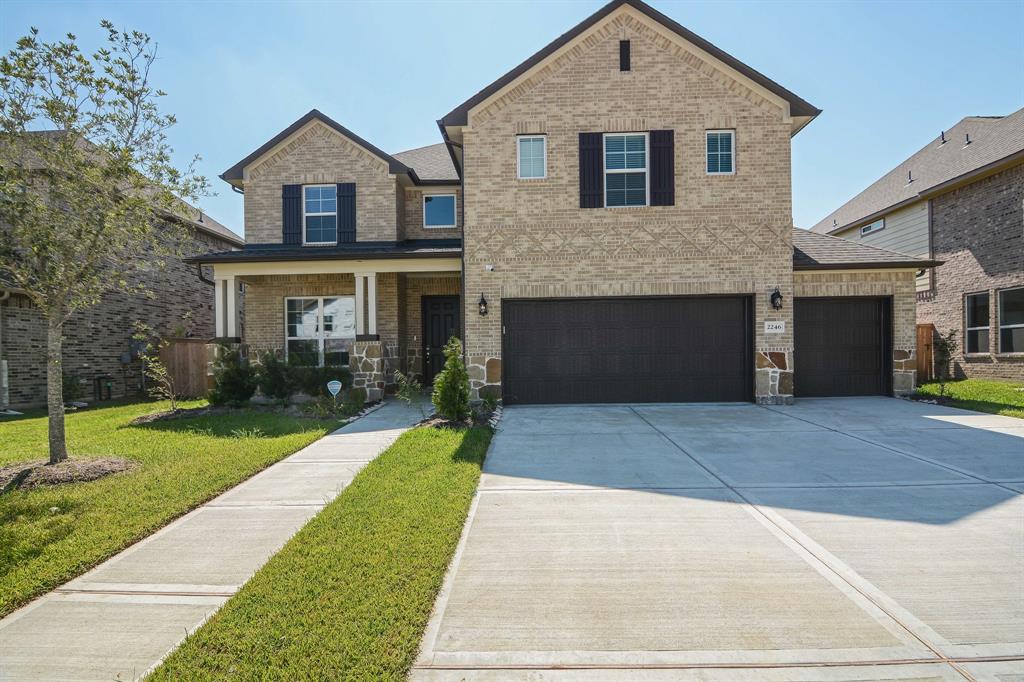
484	377
977	233
773	378
900	285
368	364
728	234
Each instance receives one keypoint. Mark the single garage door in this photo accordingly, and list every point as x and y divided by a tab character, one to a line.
627	350
842	346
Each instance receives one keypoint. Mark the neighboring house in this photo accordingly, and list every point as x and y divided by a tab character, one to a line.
960	200
98	340
610	221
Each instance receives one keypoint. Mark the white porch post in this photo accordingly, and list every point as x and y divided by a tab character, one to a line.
219	308
231	307
371	302
360	305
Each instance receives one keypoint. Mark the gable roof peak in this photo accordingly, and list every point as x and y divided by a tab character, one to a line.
799	108
235	174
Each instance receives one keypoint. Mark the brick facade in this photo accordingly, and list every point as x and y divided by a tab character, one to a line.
96	338
319	155
412	222
725	234
978	231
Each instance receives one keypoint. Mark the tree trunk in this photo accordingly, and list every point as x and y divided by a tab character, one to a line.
55	389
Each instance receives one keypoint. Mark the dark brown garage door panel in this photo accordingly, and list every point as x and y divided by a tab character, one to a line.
842	346
627	350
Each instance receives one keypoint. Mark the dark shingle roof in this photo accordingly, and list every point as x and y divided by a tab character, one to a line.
798	106
813	251
410	248
432	162
993	139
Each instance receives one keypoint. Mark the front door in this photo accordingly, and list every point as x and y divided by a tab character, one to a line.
440	323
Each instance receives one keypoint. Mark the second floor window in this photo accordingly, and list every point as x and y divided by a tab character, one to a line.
976	314
533	162
439	210
625	170
721	149
320	214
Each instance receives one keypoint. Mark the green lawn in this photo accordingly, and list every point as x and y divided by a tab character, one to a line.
49	535
349	596
983	395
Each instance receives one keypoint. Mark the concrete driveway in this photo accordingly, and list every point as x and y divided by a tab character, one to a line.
844	539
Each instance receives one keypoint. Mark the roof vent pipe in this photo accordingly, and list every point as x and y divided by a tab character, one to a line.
942	136
967	139
910	177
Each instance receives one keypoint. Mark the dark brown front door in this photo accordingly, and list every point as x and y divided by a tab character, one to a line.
625	350
440	323
842	346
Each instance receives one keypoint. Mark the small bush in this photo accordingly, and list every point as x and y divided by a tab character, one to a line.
273	377
945	348
234	378
355	401
71	387
313	380
451	385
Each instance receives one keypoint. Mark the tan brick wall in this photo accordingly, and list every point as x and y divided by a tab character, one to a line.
900	285
264	300
413	217
725	234
319	155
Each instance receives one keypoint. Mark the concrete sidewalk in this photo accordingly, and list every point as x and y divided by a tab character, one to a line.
121	618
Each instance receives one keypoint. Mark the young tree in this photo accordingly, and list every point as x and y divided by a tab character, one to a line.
451	385
88	192
945	347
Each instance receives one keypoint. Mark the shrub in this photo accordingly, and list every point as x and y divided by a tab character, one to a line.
273	377
451	385
945	347
313	380
234	378
355	401
72	390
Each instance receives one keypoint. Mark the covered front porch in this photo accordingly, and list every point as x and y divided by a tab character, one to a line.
375	316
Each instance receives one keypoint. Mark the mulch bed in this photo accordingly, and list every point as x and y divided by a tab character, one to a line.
25	475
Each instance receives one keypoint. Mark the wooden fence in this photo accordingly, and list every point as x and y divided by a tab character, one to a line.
925	357
187	361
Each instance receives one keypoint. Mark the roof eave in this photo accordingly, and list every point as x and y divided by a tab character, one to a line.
884	265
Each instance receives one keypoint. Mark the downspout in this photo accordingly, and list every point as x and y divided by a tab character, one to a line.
5	392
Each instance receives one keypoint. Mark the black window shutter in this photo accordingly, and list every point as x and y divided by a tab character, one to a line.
591	171
346	212
663	168
291	214
623	55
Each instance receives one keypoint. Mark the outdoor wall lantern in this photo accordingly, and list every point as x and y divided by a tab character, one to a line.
483	305
776	299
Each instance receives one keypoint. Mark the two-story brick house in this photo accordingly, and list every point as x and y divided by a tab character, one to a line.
960	199
610	221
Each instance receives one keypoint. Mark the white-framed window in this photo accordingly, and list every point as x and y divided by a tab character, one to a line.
876	226
976	320
319	214
625	170
1011	320
319	330
720	148
439	210
531	157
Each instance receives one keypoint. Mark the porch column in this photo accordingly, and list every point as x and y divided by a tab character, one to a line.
371	302
360	305
225	307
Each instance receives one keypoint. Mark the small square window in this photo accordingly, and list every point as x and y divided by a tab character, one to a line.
439	210
976	317
532	155
721	152
1011	320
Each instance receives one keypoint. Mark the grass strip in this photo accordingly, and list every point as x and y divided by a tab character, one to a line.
349	596
49	535
982	395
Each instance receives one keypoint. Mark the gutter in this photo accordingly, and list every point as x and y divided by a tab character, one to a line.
899	265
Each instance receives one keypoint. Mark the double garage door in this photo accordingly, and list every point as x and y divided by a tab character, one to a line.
627	350
682	349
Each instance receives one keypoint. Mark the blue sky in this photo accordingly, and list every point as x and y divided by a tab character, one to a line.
888	75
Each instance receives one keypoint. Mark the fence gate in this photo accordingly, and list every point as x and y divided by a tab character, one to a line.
186	361
925	359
